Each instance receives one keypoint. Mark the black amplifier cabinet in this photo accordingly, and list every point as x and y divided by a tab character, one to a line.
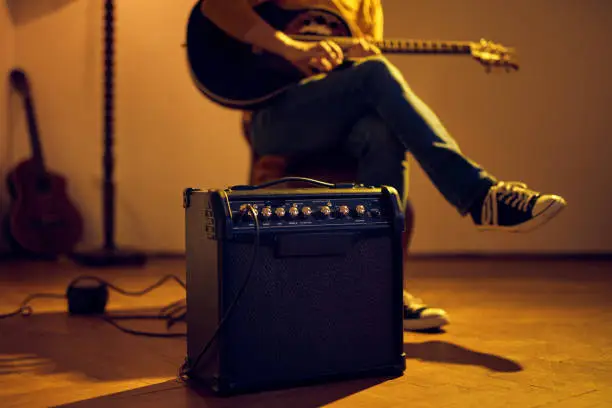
324	297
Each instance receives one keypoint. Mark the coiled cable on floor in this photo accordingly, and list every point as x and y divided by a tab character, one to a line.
88	296
25	309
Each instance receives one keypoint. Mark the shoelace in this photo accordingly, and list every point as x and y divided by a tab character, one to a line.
512	193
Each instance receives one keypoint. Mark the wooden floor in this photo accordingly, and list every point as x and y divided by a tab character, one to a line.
523	334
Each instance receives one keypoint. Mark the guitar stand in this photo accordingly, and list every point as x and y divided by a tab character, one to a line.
109	255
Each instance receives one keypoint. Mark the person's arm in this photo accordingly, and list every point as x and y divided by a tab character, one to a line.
371	26
238	19
374	20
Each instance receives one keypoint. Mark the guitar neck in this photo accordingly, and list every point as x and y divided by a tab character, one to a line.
404	46
424	47
37	154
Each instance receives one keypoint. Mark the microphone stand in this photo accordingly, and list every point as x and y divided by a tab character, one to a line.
109	255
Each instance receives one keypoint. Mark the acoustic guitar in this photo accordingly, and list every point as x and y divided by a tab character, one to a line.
235	75
43	221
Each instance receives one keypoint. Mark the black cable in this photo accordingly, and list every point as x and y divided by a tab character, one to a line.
166	313
127	292
171	311
287	179
112	321
186	368
25	309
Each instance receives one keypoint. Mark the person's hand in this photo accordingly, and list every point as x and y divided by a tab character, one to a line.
362	48
322	56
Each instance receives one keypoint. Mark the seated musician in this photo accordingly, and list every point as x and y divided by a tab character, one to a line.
370	110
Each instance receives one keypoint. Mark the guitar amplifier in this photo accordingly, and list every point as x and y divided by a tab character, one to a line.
287	287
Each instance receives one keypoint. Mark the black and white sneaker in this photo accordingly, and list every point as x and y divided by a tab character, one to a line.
512	207
418	316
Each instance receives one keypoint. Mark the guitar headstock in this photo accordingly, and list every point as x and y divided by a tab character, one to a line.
492	55
19	80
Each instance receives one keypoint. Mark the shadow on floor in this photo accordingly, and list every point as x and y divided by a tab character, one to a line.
449	353
178	394
174	393
58	343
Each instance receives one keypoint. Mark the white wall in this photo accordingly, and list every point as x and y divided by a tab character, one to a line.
545	125
7	58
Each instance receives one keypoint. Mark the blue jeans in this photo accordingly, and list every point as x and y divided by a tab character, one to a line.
369	109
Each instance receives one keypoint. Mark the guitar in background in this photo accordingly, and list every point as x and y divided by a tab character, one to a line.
42	219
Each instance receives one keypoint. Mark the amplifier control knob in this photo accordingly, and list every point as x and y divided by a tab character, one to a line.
344	210
280	212
325	211
294	212
246	212
375	212
306	211
360	210
266	212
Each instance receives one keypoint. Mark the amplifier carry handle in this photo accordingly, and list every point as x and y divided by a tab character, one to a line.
286	179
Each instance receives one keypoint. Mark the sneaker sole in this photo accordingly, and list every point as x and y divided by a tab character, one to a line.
425	323
548	214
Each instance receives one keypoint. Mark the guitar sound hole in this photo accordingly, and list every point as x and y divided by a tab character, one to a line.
43	185
12	189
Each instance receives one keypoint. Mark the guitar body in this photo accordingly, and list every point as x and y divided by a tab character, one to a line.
228	72
42	218
42	221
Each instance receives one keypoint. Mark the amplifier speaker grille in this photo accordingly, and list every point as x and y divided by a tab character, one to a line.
302	317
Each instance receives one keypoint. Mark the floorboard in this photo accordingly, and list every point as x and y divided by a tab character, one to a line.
523	334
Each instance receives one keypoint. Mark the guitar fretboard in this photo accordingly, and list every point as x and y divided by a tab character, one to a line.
424	47
404	46
37	153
